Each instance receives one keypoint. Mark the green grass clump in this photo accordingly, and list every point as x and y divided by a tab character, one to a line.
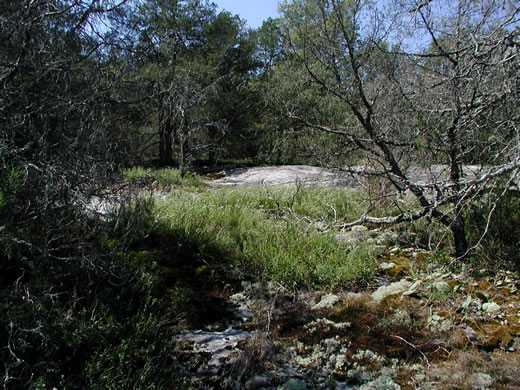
323	203
316	203
165	177
279	246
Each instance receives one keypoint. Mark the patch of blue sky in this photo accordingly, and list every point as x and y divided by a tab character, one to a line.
254	12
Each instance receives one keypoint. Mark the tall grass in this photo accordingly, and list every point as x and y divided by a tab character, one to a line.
263	231
166	178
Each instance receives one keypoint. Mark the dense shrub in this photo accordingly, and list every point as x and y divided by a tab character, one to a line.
498	234
77	311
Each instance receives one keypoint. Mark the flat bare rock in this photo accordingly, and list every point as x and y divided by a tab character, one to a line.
219	344
351	177
287	174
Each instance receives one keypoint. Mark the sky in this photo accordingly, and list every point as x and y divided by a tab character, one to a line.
253	11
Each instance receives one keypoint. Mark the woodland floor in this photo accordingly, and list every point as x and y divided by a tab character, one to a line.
418	325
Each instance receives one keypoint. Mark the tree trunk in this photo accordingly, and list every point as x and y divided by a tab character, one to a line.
459	237
212	157
183	140
165	146
165	137
182	157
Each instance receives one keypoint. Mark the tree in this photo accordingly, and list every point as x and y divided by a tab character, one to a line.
55	106
269	45
451	103
61	138
230	110
168	33
195	63
281	82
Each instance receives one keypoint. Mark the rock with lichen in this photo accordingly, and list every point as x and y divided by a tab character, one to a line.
382	382
393	289
491	307
326	302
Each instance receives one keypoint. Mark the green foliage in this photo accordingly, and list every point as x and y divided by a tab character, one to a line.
86	312
11	182
262	230
494	221
314	259
269	45
133	361
166	178
85	299
201	62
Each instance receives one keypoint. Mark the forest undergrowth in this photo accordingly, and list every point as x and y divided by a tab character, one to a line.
102	307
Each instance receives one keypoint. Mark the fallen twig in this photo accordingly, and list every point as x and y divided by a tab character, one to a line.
414	347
